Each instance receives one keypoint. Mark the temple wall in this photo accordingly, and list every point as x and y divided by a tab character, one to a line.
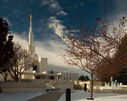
44	62
69	76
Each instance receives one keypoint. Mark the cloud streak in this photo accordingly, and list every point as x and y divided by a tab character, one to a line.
56	26
55	60
42	49
9	23
5	1
52	4
61	13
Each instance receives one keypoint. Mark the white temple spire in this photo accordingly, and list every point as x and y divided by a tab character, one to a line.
31	20
31	47
30	31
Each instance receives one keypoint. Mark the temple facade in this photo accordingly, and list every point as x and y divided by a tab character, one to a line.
40	63
39	70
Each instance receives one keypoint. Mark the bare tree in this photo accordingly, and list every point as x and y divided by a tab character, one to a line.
80	54
20	62
4	74
88	46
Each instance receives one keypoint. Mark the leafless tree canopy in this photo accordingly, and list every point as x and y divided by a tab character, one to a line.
88	45
20	62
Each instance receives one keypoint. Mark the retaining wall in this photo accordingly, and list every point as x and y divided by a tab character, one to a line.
22	87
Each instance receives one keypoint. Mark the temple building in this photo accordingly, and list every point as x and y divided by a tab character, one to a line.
39	70
39	62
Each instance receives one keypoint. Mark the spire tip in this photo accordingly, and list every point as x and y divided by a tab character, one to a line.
30	17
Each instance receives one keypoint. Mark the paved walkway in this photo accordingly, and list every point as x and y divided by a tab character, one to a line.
52	96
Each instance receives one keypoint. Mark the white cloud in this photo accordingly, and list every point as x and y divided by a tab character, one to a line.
81	3
5	1
46	2
119	9
42	49
121	5
9	23
20	40
62	13
52	4
56	25
75	5
55	6
55	60
32	1
54	57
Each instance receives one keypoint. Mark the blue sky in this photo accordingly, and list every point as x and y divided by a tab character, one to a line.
17	12
47	14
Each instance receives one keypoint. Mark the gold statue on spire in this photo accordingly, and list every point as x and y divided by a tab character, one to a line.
30	17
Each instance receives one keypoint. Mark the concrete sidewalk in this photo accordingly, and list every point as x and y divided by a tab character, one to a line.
51	96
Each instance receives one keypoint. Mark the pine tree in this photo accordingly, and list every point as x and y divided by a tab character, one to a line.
6	47
117	68
121	60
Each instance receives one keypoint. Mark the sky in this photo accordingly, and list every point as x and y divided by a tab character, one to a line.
50	19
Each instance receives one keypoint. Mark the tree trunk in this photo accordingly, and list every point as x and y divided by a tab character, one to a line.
16	79
91	95
5	78
91	88
5	75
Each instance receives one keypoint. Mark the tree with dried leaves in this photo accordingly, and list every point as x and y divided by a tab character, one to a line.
121	57
19	63
106	70
88	45
118	68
